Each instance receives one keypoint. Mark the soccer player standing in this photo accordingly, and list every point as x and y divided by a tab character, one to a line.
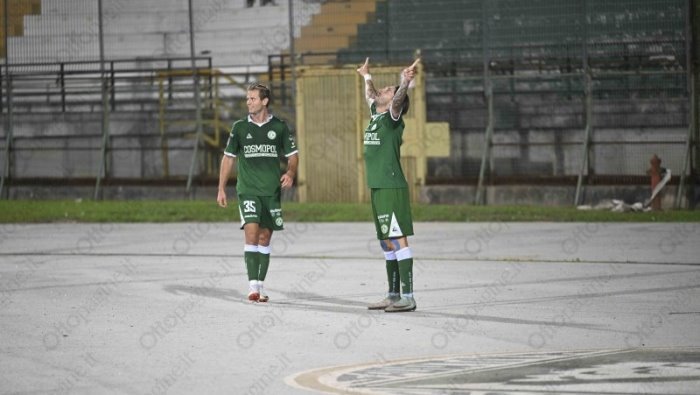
258	141
389	190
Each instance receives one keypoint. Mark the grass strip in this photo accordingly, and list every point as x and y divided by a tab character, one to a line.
41	211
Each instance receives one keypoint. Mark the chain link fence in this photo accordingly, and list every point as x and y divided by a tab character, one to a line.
539	92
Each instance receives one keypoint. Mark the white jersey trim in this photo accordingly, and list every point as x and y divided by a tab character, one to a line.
250	119
229	154
291	153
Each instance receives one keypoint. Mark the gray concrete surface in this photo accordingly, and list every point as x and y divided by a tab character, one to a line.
502	308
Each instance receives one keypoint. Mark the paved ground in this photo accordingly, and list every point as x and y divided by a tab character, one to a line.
503	308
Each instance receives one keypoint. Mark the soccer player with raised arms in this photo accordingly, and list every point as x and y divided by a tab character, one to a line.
388	187
258	142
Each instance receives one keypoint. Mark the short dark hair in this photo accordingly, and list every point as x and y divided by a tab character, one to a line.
262	89
406	102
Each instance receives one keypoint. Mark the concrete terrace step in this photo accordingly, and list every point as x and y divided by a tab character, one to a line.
163	22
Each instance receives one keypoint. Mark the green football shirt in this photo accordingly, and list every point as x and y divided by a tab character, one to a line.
258	148
382	151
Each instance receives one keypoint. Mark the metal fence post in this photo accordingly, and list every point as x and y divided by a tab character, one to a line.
5	191
488	96
292	53
588	106
103	169
488	135
586	136
692	118
198	110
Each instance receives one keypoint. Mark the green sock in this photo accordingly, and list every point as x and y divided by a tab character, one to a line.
264	260
252	265
406	273
392	274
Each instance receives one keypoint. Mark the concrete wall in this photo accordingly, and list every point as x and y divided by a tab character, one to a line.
67	145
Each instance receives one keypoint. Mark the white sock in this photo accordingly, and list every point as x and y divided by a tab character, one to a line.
254	285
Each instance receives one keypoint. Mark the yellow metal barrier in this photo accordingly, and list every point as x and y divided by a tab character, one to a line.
213	107
331	117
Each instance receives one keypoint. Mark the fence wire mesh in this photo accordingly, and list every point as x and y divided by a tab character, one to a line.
543	63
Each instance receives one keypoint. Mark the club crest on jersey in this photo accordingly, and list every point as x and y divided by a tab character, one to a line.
271	135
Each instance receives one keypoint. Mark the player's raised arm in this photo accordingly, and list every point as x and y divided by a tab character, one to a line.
370	91
407	76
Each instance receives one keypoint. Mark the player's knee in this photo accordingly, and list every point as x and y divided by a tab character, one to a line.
390	245
386	246
395	244
264	240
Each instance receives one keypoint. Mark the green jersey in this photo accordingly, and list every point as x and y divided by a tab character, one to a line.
258	148
382	151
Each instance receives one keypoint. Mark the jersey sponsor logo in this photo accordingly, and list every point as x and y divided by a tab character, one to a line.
271	135
249	136
260	150
372	138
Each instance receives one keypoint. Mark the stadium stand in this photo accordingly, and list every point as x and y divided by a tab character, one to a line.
15	21
549	69
228	31
537	53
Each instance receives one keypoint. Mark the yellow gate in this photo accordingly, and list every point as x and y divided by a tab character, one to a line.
331	117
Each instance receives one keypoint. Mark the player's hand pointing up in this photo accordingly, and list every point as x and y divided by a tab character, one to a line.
364	69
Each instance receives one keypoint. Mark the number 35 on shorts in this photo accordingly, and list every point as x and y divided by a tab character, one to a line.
249	206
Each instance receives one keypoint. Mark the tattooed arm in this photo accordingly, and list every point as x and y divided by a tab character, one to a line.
407	76
370	91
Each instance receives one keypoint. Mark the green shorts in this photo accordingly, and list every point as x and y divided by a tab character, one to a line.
263	210
391	208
